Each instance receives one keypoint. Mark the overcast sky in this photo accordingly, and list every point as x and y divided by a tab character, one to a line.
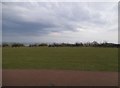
60	22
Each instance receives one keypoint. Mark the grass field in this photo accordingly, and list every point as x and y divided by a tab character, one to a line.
82	58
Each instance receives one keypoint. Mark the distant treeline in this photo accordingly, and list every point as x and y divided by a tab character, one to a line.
87	44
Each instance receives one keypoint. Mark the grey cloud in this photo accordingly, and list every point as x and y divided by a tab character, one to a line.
40	19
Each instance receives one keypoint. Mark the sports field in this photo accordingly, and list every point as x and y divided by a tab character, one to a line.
61	58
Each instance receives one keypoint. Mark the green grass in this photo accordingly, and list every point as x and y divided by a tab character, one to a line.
82	58
0	57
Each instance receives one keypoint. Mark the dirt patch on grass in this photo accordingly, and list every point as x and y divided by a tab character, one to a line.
58	78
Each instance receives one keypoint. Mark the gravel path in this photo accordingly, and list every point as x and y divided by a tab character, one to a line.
58	78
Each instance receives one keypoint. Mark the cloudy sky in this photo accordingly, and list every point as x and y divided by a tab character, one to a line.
60	22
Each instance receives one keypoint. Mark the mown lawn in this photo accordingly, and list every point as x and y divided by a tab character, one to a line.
67	58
